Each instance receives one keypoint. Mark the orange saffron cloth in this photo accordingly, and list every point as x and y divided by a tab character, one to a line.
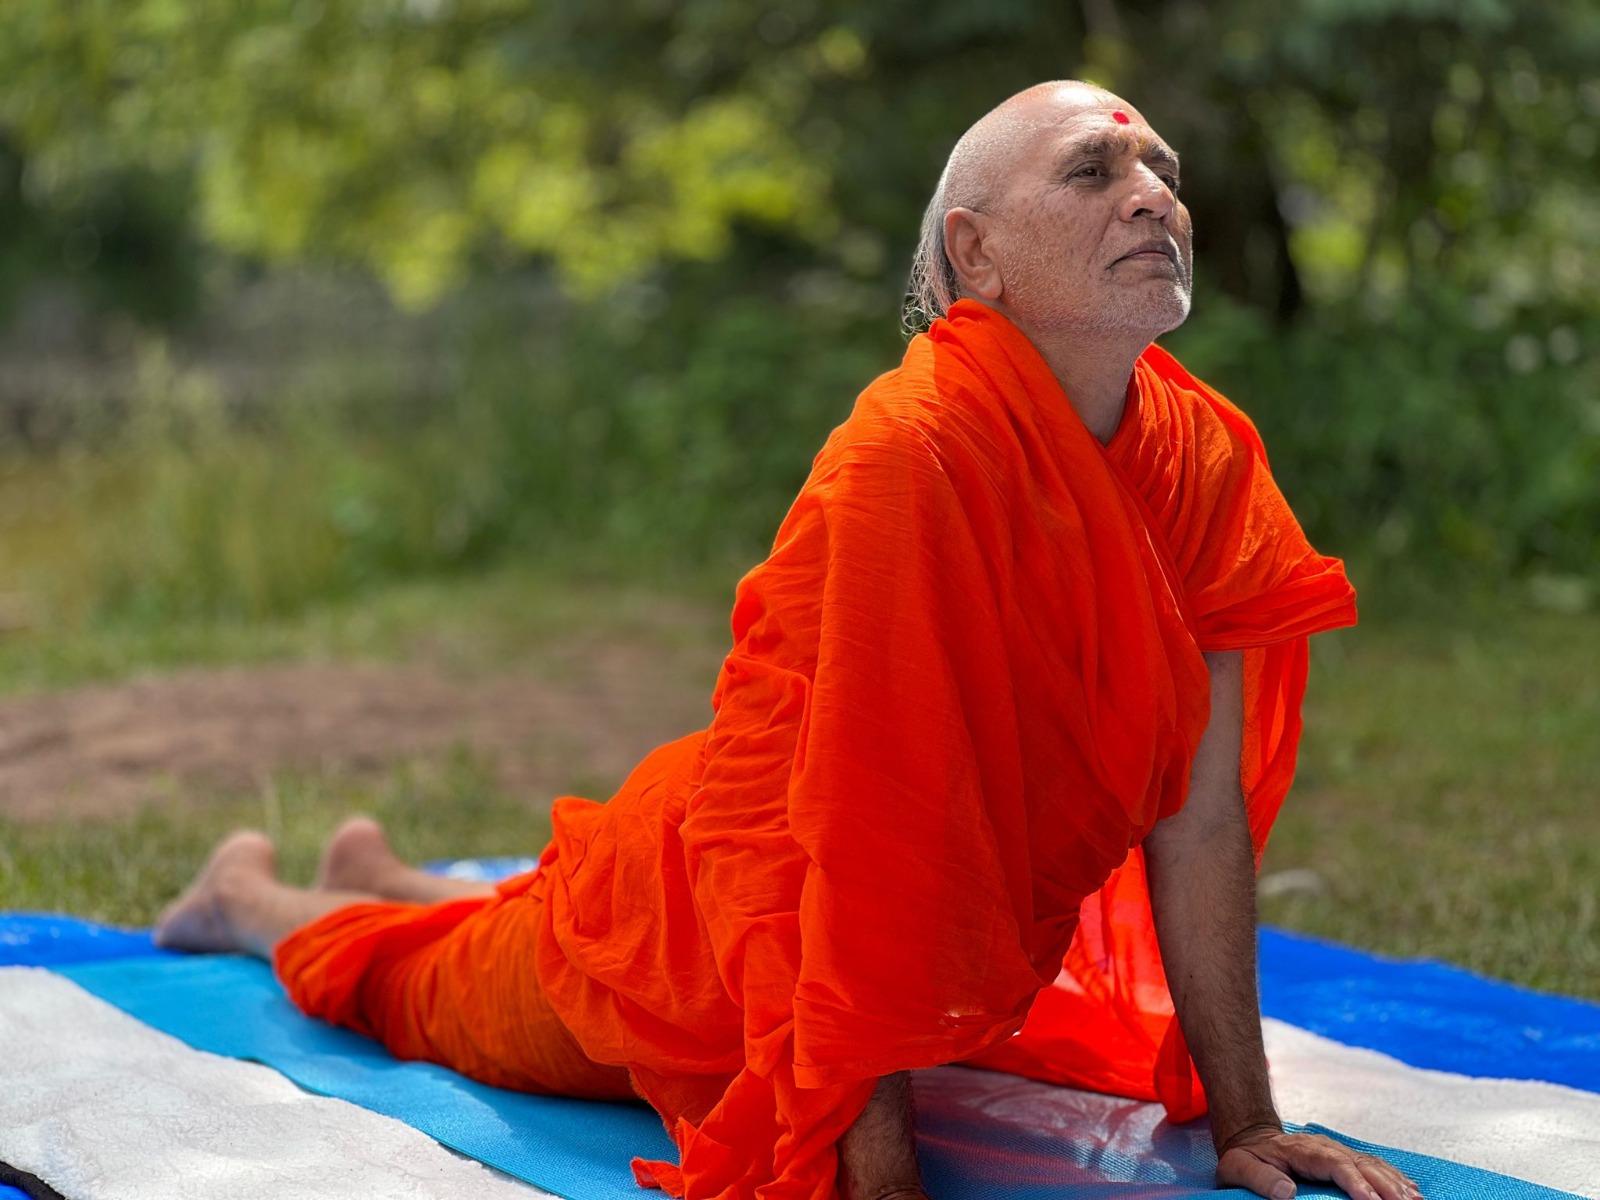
964	685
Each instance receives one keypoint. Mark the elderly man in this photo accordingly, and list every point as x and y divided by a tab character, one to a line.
1014	698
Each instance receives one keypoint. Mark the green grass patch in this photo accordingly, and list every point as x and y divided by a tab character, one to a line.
1448	794
480	622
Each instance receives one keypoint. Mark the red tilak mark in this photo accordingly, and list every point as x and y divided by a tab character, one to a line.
1120	117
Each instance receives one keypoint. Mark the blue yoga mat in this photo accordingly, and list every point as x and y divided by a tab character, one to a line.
1423	1013
580	1149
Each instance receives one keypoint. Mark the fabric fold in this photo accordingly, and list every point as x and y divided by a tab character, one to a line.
1252	582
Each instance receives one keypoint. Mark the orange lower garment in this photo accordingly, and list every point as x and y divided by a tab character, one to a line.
379	968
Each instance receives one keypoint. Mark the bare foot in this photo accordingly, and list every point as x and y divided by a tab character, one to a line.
359	859
197	920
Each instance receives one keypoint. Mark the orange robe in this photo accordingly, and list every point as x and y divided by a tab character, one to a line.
963	687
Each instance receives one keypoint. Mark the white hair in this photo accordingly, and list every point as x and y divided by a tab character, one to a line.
932	287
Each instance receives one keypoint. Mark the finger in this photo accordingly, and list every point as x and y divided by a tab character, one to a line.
1348	1175
1387	1180
1324	1158
1240	1167
1383	1179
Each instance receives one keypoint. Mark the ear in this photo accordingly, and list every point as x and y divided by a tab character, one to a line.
979	274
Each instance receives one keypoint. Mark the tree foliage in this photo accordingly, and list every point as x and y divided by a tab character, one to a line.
412	137
1333	146
1395	235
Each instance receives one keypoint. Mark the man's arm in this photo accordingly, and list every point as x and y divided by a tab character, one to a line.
878	1153
1202	891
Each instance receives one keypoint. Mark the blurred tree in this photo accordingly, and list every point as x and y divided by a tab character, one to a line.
741	183
1348	147
124	237
399	134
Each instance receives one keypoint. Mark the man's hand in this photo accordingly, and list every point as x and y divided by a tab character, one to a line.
1264	1159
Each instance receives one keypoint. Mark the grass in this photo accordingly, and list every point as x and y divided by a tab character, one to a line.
123	871
467	623
1447	798
1448	794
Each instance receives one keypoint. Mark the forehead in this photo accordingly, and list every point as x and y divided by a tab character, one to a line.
1097	131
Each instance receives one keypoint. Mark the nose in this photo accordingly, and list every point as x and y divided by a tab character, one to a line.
1147	196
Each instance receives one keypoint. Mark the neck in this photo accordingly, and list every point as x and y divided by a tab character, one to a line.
1094	369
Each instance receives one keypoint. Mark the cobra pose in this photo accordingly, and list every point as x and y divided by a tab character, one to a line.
1016	693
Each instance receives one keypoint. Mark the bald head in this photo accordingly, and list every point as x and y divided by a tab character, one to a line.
985	156
1002	158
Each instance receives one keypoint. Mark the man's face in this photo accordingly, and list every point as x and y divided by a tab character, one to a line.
1075	223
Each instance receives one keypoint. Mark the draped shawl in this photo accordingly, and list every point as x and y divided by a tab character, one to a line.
963	686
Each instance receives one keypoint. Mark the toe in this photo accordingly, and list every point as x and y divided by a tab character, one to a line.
356	853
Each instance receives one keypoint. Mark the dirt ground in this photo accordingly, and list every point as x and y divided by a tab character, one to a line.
103	750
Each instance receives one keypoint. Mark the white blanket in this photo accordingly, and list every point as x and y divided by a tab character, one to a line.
102	1107
1541	1132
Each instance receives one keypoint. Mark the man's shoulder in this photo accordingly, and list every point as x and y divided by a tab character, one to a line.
910	416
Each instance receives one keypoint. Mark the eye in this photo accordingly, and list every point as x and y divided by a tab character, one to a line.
1171	181
1087	167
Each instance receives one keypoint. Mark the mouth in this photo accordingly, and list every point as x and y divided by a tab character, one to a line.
1151	252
